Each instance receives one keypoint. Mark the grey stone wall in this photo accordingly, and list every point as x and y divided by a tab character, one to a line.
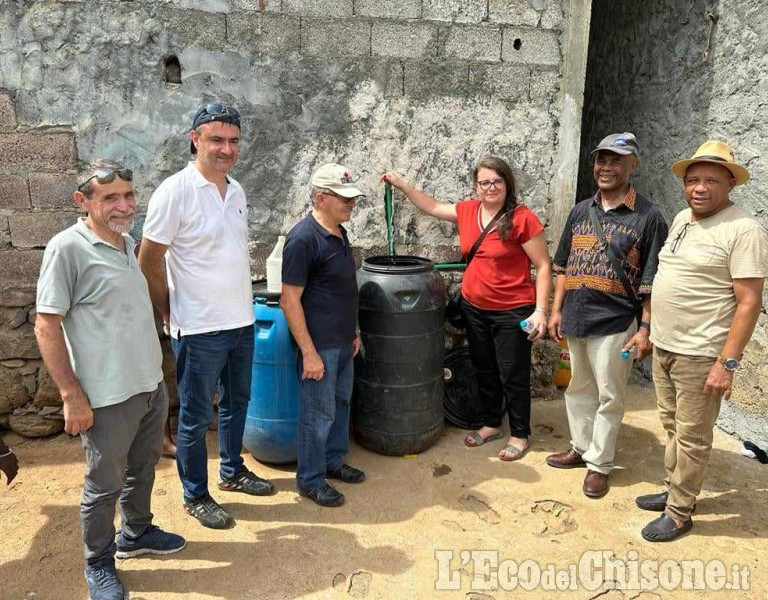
426	87
675	76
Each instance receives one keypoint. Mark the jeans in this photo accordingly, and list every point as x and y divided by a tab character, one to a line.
324	417
596	396
203	361
122	449
501	358
688	416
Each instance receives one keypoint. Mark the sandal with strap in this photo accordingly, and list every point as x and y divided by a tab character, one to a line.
479	440
516	453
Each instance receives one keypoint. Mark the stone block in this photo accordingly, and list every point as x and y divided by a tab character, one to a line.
436	78
35	229
260	5
404	40
457	11
319	8
7	112
18	343
186	27
509	82
514	12
544	84
552	17
5	233
264	32
47	393
388	9
52	190
18	296
14	317
33	424
471	42
530	47
30	367
19	269
30	382
334	37
13	392
14	193
41	151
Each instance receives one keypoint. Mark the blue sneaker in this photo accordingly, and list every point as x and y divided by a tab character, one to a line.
102	581
153	541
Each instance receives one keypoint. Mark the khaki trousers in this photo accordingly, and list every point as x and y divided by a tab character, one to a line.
596	395
688	416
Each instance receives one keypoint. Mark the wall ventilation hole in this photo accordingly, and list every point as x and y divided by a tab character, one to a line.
517	44
172	72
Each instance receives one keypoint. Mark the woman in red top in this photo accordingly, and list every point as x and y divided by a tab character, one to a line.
497	293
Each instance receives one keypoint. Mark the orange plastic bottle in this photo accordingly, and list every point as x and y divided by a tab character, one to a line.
562	376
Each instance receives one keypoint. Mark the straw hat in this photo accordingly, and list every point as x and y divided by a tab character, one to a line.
718	153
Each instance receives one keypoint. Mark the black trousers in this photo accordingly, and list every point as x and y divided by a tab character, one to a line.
501	357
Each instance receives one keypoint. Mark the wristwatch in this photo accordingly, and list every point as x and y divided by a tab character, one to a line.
729	364
645	325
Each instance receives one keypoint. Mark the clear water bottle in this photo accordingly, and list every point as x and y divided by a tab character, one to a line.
626	354
528	327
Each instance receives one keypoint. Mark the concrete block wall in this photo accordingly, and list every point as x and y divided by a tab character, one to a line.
676	77
425	87
34	162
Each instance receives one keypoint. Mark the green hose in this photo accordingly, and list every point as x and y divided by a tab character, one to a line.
391	233
390	219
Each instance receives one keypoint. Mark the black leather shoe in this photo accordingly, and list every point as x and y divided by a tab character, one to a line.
327	495
665	529
655	502
347	474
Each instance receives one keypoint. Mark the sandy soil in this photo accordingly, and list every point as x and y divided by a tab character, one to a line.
382	543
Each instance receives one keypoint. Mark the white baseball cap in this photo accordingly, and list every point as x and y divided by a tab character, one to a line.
336	178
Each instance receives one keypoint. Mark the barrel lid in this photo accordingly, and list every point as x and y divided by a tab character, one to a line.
261	295
397	265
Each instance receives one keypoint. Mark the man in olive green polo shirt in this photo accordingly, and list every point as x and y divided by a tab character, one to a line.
97	336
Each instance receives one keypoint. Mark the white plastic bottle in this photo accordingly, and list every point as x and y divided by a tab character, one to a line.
275	267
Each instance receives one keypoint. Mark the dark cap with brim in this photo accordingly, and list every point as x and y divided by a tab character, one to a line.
214	112
619	143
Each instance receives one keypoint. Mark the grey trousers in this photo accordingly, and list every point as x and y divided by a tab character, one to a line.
122	449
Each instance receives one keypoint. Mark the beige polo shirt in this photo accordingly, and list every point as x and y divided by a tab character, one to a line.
693	303
108	321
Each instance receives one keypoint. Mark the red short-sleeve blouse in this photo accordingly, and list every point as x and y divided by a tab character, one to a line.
499	276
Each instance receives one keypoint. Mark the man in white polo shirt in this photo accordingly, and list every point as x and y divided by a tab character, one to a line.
197	223
97	337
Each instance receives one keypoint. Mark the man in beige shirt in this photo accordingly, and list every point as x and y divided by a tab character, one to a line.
707	296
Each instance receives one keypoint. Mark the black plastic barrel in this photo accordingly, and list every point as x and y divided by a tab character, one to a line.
398	402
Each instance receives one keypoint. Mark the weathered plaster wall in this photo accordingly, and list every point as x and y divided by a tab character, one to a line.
649	72
426	87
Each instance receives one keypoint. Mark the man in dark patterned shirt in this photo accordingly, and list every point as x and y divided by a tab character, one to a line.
598	306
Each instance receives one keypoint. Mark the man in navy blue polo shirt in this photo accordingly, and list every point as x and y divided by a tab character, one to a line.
319	300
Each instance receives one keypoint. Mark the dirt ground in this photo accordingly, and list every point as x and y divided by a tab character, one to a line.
382	543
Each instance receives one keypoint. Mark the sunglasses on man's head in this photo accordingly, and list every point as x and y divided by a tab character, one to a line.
212	110
105	176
